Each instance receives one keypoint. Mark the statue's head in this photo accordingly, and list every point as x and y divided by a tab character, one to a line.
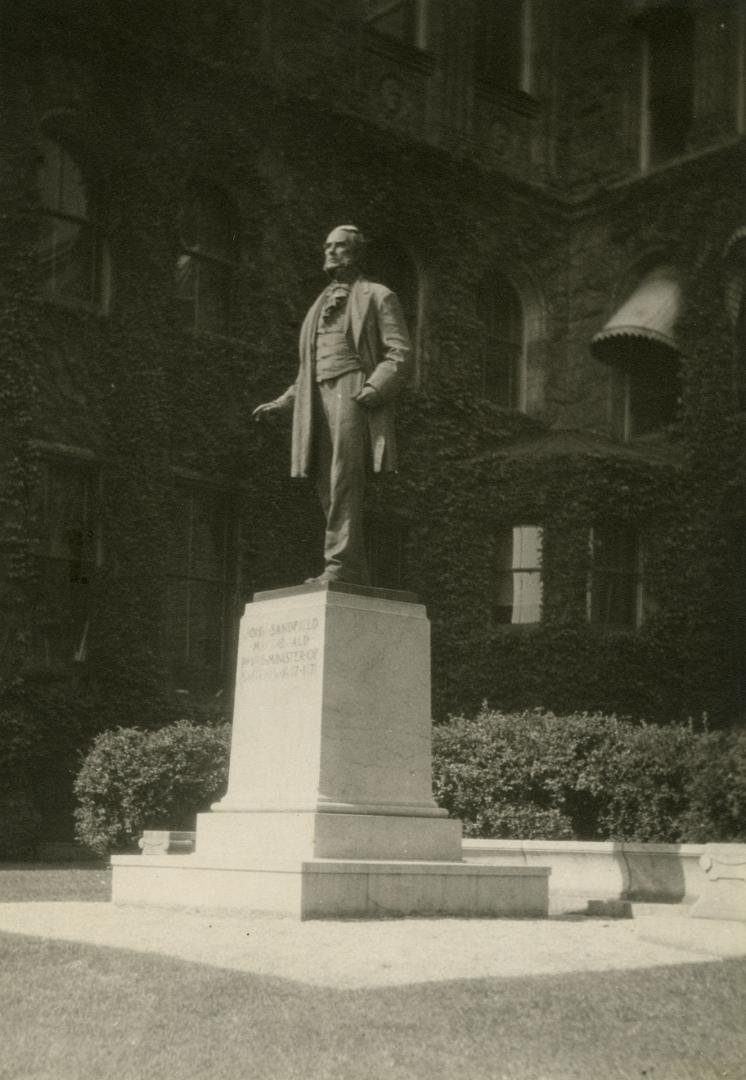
343	250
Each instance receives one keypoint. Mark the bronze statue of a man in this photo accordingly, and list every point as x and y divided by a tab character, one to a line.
355	356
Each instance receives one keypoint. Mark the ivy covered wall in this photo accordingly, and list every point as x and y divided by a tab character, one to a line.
148	404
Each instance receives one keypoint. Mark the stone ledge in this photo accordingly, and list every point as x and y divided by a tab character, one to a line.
602	870
319	889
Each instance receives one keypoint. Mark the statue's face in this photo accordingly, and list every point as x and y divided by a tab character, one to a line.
340	251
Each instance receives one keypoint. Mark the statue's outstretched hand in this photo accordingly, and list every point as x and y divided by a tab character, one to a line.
268	409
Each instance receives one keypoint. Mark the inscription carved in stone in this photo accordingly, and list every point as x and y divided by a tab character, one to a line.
279	651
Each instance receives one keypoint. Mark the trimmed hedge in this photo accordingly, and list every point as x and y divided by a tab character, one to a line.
134	779
529	775
534	775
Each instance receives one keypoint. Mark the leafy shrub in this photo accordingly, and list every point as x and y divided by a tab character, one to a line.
534	775
134	779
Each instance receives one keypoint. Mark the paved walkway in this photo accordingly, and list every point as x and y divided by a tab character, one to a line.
371	954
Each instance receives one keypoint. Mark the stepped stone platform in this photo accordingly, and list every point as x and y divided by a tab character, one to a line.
329	809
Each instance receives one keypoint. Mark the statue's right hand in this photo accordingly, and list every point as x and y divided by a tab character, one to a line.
269	408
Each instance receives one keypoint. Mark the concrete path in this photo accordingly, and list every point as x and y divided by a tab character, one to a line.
359	954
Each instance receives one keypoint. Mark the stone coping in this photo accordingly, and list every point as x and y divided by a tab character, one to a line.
328	866
402	596
580	847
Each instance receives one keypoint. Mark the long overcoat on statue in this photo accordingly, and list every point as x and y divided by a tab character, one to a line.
375	326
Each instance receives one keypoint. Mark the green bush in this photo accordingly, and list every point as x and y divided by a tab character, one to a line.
134	779
534	775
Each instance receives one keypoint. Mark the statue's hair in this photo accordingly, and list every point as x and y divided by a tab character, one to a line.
360	241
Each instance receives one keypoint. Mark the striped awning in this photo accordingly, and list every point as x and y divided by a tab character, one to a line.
649	314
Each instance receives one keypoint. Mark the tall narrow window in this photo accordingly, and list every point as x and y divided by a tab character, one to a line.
501	344
517	584
651	392
201	585
67	530
72	252
615	598
206	268
388	262
667	84
501	44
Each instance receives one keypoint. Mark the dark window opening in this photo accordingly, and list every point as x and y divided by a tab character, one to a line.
201	589
499	43
500	348
391	265
653	395
670	39
72	253
67	523
615	594
206	268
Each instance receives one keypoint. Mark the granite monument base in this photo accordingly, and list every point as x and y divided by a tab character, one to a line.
329	810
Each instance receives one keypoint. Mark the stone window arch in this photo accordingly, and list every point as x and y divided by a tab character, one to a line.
73	252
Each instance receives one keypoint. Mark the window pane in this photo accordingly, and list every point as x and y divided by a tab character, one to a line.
68	533
501	342
60	618
186	289
209	538
60	182
66	564
181	535
654	395
199	588
499	42
209	224
67	252
517	575
526	547
671	45
615	576
392	266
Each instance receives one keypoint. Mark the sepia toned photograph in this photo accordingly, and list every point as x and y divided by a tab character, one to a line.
373	539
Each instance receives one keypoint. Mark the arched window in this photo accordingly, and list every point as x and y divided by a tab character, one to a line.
72	252
208	261
501	341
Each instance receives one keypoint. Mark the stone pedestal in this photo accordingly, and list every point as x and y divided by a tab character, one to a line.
329	807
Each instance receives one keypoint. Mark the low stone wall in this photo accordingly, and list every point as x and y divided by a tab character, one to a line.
601	870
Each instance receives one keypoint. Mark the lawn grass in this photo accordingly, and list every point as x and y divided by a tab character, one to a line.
22	882
78	1012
